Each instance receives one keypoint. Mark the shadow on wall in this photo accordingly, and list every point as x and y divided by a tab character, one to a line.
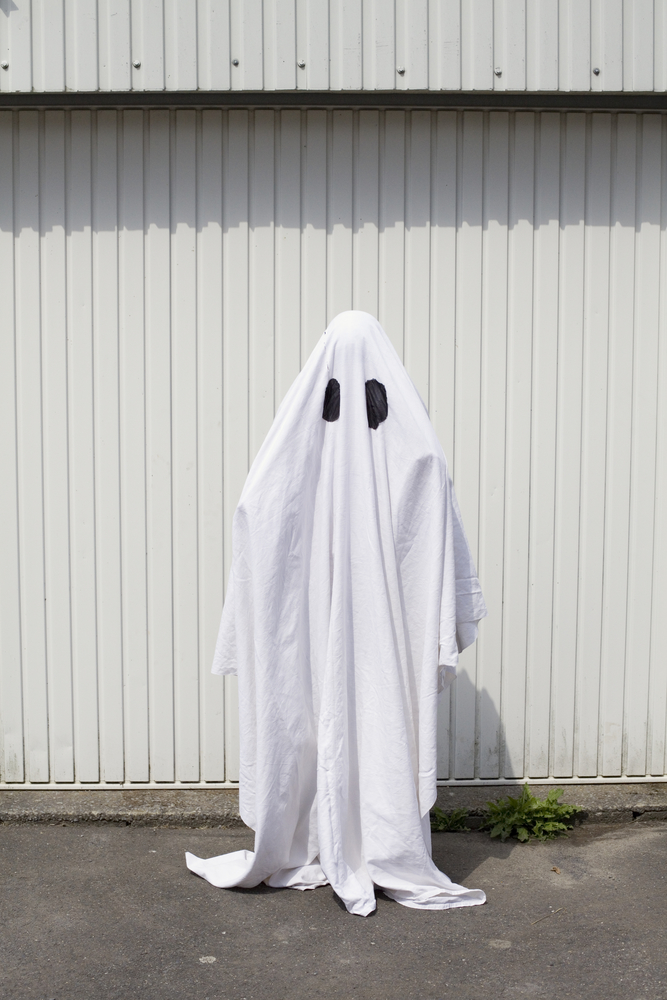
472	742
477	745
327	170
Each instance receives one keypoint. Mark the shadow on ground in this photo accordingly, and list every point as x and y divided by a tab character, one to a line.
111	912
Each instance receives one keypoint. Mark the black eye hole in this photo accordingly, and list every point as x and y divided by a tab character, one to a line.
331	408
376	403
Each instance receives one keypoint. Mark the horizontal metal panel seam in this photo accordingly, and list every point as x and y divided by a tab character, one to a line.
458	100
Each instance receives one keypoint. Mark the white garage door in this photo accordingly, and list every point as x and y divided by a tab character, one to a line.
163	276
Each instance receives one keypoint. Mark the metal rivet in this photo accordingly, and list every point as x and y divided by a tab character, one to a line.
498	71
4	64
597	70
235	62
301	63
400	69
137	63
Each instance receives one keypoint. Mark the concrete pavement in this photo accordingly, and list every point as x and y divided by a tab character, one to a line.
110	912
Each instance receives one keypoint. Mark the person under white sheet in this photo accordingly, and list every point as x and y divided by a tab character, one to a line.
352	592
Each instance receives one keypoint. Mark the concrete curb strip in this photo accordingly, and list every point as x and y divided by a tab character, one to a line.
613	803
148	807
608	803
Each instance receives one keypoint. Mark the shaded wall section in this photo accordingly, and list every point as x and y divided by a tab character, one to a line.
164	276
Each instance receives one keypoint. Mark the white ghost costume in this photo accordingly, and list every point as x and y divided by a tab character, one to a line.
352	592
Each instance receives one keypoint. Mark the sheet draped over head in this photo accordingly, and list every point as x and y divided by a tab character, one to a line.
352	592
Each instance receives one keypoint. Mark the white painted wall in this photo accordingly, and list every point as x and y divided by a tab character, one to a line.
153	45
164	275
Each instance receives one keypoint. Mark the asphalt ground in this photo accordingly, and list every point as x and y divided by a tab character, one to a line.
109	911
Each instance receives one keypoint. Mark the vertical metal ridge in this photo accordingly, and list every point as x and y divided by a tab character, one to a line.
487	45
517	262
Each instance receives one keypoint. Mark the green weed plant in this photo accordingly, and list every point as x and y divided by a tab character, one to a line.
528	817
451	822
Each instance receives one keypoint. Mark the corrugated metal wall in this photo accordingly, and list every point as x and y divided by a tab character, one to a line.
163	275
116	45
